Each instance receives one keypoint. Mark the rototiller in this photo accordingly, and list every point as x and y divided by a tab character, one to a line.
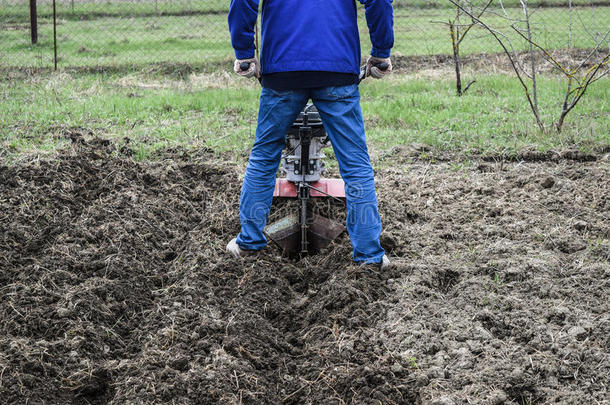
302	169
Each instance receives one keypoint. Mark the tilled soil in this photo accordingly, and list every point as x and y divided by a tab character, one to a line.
115	288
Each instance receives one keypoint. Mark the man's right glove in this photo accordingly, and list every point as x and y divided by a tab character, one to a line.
373	70
252	70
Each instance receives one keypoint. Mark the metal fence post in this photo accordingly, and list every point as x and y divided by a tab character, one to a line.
33	22
54	35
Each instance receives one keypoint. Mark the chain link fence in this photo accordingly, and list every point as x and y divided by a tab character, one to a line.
134	33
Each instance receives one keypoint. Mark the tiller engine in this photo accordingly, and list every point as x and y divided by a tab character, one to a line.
302	169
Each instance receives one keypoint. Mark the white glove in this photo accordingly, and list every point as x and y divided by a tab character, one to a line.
374	71
252	71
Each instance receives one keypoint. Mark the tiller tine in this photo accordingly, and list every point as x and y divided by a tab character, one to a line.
303	168
321	232
286	233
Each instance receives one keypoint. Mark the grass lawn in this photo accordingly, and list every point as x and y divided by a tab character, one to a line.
219	111
19	9
203	39
155	110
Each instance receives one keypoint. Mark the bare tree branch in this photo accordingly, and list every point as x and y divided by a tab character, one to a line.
550	58
511	58
580	91
577	82
456	39
485	7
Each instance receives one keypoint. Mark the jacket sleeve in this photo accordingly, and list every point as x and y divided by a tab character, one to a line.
242	18
380	20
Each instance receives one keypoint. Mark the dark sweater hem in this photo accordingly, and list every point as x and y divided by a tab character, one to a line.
307	80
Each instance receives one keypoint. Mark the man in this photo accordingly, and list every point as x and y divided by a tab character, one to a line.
311	49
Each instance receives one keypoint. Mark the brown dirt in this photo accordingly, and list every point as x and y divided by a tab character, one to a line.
115	288
497	62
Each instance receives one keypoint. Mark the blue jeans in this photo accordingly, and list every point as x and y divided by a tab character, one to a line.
339	108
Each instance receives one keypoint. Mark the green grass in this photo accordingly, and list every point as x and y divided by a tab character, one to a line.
18	10
85	10
115	41
424	33
219	112
200	40
493	117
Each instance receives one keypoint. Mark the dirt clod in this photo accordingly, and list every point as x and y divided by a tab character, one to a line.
443	401
548	182
578	332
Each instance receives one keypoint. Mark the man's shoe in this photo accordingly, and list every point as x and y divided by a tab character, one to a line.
234	250
382	265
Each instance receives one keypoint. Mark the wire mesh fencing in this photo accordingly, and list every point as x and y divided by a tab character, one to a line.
111	33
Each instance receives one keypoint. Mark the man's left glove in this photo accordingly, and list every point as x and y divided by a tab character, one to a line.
374	67
253	67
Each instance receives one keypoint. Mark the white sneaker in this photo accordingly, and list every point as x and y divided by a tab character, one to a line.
382	265
234	250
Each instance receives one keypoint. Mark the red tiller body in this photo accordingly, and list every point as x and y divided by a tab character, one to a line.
332	187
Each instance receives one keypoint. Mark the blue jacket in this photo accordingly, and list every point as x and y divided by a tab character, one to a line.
310	35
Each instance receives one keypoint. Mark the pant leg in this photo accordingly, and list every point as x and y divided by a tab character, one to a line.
277	111
339	109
